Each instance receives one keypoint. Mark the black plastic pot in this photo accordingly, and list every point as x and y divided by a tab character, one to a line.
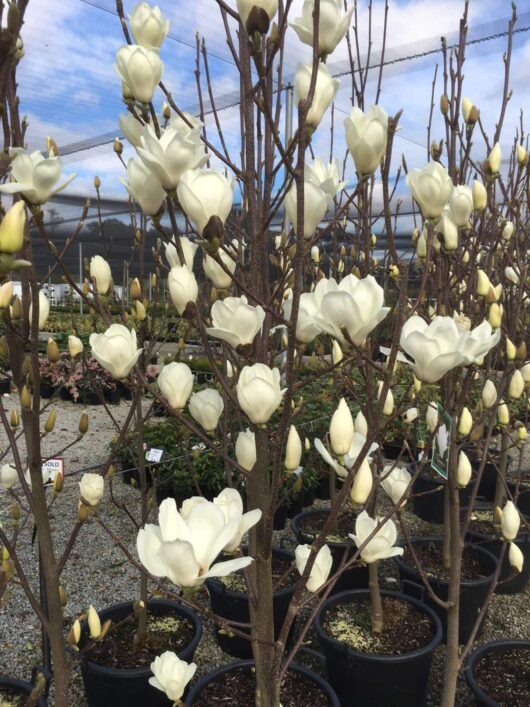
481	697
46	391
20	687
322	488
116	687
370	680
316	679
523	500
5	385
353	578
472	594
396	451
280	517
64	394
488	481
234	607
428	497
89	397
509	583
113	397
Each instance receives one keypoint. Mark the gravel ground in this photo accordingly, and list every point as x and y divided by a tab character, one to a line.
99	574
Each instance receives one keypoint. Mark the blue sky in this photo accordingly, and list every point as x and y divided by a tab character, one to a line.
69	89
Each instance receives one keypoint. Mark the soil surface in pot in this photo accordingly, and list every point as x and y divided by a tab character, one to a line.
164	633
430	558
284	574
237	689
505	676
345	523
405	628
11	698
482	522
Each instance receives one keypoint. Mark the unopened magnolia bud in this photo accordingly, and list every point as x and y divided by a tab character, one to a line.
465	423
50	422
495	159
58	483
14	421
135	289
94	623
82	512
75	633
140	311
166	111
511	351
15	512
16	309
52	351
444	104
495	315
522	155
62	596
503	414
25	398
97	182
436	150
522	433
521	352
336	353
516	386
480	196
464	470
489	395
153	281
118	146
83	423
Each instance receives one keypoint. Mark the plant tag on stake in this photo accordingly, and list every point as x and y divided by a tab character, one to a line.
440	447
50	469
154	454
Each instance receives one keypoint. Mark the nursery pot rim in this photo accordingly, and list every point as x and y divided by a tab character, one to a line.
345	544
379	657
220	587
463	582
146	671
22	686
196	689
478	653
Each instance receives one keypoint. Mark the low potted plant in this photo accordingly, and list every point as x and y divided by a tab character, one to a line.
299	687
115	670
381	643
498	673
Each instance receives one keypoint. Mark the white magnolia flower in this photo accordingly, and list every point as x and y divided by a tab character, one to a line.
8	476
182	287
148	26
325	91
245	449
101	273
480	340
131	128
171	154
447	232
464	470
171	674
480	196
327	177
366	136
230	502
144	187
381	546
349	458
189	248
307	327
489	394
360	425
461	204
176	383
315	206
206	407
511	275
75	346
214	272
510	521
140	69
184	549
436	348
341	429
34	175
362	484
321	566
203	194
91	488
431	188
6	294
495	158
395	483
354	306
258	392
332	26
235	321
44	310
116	350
